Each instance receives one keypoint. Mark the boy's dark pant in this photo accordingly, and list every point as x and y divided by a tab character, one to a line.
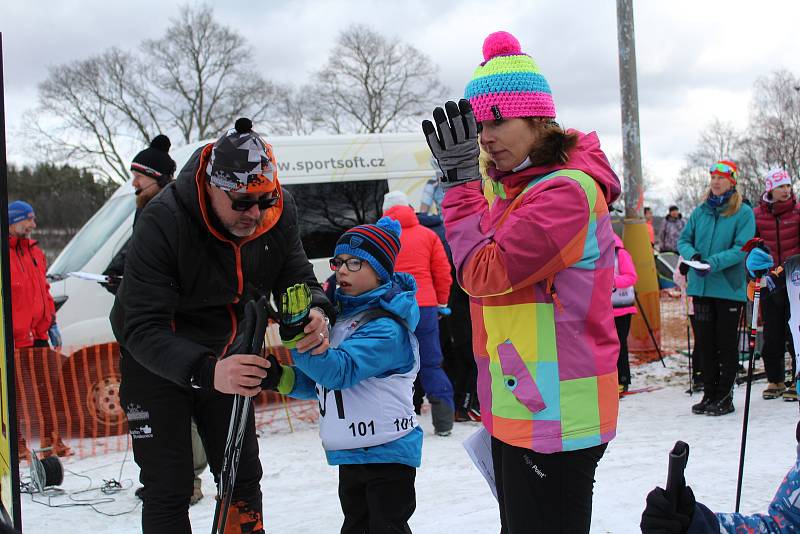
717	340
377	498
544	493
623	324
775	317
159	420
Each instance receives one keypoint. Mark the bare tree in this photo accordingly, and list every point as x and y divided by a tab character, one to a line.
207	76
193	83
374	84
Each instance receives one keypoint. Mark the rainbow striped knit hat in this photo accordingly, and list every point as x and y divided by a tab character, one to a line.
508	83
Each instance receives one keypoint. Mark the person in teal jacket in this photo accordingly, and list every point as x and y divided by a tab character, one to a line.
364	382
713	238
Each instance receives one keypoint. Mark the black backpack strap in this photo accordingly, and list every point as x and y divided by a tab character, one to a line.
376	313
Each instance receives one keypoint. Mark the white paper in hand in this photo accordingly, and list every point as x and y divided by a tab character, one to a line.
697	265
89	276
479	449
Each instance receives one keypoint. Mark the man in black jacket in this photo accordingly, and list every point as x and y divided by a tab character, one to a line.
222	234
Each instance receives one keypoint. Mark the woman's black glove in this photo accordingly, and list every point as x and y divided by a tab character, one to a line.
658	517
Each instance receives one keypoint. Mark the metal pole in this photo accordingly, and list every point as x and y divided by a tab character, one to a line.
629	104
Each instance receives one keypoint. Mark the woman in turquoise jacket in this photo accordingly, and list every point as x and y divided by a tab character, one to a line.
713	237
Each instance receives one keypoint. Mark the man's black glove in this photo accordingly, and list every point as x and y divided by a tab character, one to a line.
274	373
454	142
658	517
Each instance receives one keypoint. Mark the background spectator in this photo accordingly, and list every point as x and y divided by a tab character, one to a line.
623	300
422	255
714	236
671	230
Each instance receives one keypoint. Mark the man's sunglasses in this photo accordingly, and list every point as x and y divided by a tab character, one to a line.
244	204
353	264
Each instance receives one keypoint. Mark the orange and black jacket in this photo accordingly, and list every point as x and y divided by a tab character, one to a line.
187	279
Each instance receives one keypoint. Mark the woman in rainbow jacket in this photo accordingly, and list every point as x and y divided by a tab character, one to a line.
713	238
538	264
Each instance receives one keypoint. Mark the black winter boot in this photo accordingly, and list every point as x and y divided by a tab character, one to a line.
702	406
722	406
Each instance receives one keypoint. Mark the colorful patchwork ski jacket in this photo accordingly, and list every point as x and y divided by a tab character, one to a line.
538	264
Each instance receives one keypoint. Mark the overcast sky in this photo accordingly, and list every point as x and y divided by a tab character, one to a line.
697	60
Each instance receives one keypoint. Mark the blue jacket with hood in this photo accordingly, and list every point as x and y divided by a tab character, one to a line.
379	348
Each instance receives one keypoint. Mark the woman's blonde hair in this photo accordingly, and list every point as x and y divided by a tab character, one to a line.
732	205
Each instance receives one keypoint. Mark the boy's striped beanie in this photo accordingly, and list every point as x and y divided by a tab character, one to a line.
508	83
377	243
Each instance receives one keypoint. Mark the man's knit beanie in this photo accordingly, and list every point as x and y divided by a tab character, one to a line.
154	161
242	162
508	83
19	211
378	244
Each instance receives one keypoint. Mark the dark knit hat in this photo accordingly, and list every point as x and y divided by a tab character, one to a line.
377	243
242	162
19	211
154	161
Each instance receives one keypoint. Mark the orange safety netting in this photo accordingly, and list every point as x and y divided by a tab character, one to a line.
69	405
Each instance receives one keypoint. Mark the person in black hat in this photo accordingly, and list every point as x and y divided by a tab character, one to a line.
222	234
152	170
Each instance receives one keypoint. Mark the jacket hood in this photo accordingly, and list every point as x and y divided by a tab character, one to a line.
397	296
587	156
405	215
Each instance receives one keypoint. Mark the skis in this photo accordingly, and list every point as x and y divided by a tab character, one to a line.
646	389
250	341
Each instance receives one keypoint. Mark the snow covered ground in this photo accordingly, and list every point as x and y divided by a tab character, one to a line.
300	489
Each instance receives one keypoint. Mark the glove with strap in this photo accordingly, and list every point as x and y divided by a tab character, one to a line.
294	316
454	142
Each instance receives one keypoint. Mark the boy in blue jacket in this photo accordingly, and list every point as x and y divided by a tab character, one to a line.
364	381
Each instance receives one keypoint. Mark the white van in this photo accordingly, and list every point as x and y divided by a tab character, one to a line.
337	182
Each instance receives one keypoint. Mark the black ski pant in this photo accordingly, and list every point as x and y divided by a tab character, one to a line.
455	334
775	317
377	498
623	324
544	493
717	340
160	419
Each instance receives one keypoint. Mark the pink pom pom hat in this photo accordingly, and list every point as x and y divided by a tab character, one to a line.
508	83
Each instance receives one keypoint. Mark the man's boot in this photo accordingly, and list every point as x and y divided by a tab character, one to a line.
702	406
722	406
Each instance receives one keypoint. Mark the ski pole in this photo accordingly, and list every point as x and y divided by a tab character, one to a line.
649	330
253	331
749	246
678	457
688	341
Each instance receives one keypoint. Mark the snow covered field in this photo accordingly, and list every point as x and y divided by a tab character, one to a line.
300	488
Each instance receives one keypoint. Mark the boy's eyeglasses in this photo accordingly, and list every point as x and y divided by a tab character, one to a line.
353	264
244	204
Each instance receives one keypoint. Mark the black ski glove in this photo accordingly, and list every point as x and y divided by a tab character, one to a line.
658	517
454	142
274	373
251	330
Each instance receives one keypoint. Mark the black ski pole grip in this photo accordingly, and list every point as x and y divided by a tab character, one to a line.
678	457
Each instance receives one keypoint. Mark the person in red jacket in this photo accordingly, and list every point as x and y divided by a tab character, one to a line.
33	311
778	224
422	255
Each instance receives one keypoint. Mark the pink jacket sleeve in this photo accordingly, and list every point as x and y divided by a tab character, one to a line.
543	236
440	272
627	271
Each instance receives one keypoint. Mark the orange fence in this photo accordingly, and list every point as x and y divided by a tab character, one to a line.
71	403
